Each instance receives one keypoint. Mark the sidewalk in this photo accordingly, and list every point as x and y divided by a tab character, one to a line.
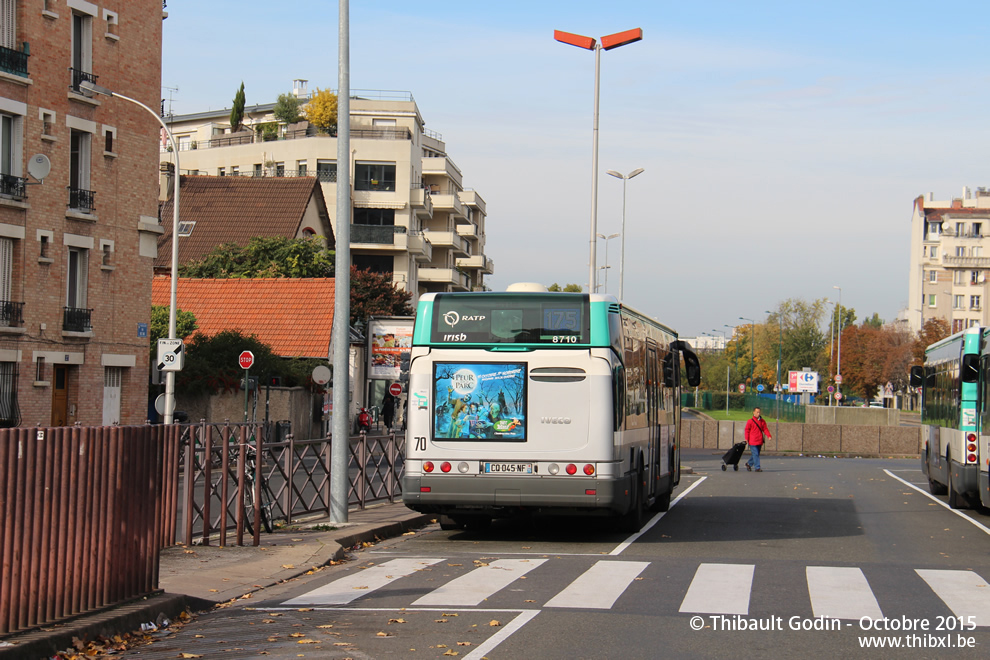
197	577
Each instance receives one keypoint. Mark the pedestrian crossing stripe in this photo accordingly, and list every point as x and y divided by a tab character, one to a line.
718	589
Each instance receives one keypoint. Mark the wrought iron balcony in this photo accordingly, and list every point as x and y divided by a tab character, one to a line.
14	61
11	314
78	76
13	186
81	200
77	320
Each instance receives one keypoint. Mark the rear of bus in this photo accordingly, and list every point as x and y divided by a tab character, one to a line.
511	407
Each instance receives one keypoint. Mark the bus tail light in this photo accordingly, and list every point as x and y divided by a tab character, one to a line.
445	467
553	468
589	469
425	489
590	491
971	458
971	437
428	466
571	468
971	447
462	467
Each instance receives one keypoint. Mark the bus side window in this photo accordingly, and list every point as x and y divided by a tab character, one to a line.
618	397
670	369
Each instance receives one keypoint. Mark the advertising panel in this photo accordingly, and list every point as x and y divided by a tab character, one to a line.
389	338
803	381
480	401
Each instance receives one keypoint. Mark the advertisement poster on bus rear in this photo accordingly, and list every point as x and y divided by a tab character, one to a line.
480	401
389	338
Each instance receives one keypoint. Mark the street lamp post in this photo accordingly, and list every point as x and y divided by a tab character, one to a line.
589	43
721	332
733	328
752	344
838	355
93	88
622	244
605	267
780	357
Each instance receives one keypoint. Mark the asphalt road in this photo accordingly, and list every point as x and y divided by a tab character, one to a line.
833	547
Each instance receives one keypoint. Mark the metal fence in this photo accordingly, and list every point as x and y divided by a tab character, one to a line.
776	408
218	484
83	516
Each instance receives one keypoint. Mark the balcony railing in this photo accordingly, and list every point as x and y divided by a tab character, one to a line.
81	200
13	186
78	77
399	133
379	234
13	61
324	176
76	319
11	314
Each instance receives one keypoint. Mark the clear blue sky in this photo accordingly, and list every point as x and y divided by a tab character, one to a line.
783	142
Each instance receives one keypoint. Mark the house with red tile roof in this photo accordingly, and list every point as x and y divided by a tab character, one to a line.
293	316
230	209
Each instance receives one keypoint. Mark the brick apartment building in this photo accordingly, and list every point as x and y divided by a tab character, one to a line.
76	252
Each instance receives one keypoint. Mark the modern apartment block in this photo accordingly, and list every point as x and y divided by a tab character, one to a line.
411	215
950	259
76	250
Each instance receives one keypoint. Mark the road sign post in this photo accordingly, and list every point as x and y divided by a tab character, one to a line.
245	360
171	355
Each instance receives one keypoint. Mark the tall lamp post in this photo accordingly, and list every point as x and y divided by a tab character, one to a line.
733	328
93	88
622	244
752	344
838	356
721	332
608	42
605	267
780	357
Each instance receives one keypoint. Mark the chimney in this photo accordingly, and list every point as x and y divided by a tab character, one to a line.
166	174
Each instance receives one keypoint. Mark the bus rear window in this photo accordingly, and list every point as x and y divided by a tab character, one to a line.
494	318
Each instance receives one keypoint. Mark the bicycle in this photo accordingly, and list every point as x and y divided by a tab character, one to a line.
251	470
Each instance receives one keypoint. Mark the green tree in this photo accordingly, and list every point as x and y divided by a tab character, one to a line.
286	108
321	111
276	256
237	110
568	288
873	322
374	294
185	325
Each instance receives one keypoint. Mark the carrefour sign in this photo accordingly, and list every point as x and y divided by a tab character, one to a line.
803	381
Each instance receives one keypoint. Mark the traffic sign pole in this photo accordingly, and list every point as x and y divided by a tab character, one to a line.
245	360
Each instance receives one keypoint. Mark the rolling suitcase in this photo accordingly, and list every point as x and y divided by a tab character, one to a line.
733	455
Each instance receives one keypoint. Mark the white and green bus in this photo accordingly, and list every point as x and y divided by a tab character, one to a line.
529	401
950	415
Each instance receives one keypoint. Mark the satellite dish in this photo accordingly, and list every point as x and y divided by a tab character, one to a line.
39	166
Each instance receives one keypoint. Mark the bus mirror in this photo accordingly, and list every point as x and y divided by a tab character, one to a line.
917	376
692	366
970	368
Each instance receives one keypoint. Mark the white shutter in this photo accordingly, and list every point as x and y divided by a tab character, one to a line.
8	24
111	395
6	266
83	279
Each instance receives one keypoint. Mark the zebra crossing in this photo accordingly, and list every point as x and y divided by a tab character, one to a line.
838	592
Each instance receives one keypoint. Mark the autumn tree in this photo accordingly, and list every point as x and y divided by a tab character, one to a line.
237	110
935	329
321	111
286	108
873	357
275	256
374	294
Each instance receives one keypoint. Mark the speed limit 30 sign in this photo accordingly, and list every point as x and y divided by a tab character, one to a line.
171	354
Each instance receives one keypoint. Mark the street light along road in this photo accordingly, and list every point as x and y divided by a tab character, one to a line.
605	267
608	42
622	243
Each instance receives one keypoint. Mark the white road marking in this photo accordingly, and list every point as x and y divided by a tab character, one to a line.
488	645
629	541
965	592
479	584
941	503
720	589
600	586
841	593
352	587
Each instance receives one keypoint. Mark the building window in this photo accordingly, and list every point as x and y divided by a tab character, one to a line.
977	251
80	196
974	277
221	171
974	302
960	251
957	302
45	241
978	229
47	122
280	169
960	228
235	170
376	217
10	183
8	315
933	276
326	171
186	228
931	299
374	176
958	277
301	167
77	278
39	370
82	50
10	414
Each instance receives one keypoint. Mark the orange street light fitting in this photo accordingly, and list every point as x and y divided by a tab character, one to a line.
608	42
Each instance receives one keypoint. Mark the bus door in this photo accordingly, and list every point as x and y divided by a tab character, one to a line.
653	378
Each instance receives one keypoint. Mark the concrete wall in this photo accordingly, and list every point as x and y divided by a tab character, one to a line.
850	416
851	439
292	403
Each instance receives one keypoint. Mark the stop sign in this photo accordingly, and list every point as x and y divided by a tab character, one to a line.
395	389
245	359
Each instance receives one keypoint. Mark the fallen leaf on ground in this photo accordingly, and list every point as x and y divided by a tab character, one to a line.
382	634
494	623
396	620
189	655
464	643
297	634
307	641
287	566
326	625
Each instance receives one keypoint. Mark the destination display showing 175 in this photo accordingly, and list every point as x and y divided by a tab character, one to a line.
561	319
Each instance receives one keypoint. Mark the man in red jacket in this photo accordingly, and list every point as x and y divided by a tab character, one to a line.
756	432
